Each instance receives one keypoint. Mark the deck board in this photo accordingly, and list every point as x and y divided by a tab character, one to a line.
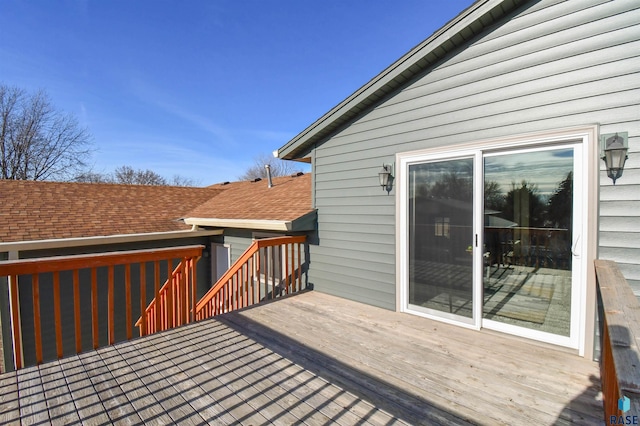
59	400
310	359
9	405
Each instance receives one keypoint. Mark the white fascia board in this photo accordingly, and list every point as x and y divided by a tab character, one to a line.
107	239
267	225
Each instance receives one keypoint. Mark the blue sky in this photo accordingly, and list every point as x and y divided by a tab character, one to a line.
200	88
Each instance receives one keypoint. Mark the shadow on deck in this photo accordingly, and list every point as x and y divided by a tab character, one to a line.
310	359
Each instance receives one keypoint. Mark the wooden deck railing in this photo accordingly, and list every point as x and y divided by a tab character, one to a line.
174	303
619	312
65	272
268	269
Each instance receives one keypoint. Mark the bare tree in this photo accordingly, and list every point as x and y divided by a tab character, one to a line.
127	175
93	177
178	180
278	168
37	141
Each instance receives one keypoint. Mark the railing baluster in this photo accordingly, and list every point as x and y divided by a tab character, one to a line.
127	290
171	299
245	286
251	281
156	287
94	307
143	299
285	273
235	291
272	261
259	266
266	272
194	288
35	288
15	322
299	266
111	308
76	310
56	313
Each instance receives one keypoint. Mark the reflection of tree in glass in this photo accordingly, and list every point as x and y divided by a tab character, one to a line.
524	205
561	204
493	196
450	185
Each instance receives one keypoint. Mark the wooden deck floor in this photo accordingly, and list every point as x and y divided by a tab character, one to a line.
310	359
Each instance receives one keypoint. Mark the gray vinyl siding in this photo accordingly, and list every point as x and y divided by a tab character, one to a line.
238	240
620	213
550	66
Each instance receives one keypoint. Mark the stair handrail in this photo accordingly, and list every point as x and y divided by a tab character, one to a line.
239	264
147	325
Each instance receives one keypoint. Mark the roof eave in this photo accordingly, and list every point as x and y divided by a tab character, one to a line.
457	31
305	222
13	246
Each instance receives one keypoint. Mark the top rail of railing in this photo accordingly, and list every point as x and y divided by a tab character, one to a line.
619	311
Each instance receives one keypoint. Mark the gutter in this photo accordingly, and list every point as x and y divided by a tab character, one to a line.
267	225
107	239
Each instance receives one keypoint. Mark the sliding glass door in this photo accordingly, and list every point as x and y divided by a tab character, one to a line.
440	238
490	239
528	213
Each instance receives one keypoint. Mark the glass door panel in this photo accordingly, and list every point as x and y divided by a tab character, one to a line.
440	238
528	234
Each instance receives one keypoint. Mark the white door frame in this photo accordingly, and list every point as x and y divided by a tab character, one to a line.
585	163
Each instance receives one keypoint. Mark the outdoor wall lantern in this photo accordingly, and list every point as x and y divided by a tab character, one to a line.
386	177
614	153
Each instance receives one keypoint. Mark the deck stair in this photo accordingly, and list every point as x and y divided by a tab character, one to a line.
268	269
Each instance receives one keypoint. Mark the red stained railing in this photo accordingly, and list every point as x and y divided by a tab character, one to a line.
57	267
619	311
174	301
269	268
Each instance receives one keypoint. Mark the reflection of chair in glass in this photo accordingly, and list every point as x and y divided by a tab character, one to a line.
513	252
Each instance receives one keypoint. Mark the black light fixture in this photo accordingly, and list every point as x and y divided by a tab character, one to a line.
386	176
614	153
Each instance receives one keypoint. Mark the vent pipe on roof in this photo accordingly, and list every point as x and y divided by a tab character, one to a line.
268	167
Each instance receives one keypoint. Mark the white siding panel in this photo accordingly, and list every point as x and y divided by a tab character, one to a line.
346	237
619	224
321	257
358	209
617	208
449	134
358	228
620	255
620	191
502	114
620	239
541	65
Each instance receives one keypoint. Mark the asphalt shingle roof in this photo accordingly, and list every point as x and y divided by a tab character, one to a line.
31	211
288	199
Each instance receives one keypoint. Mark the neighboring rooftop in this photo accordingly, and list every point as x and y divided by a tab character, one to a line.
288	199
36	210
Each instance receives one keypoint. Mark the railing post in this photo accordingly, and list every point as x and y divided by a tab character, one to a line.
620	353
16	329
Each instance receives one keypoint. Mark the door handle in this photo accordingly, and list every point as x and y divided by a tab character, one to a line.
575	246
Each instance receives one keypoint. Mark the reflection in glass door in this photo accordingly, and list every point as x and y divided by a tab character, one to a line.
528	234
440	237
